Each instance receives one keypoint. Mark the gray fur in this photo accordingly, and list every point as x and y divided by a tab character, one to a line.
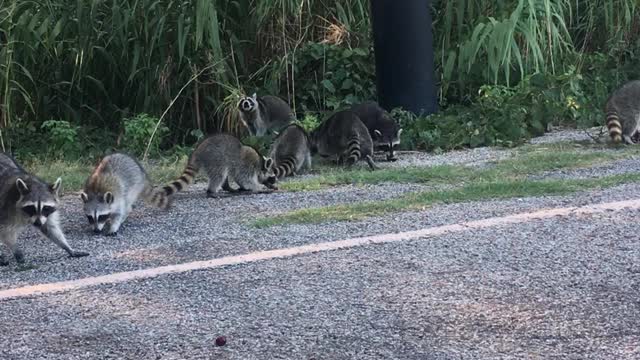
344	137
291	151
623	112
384	130
27	200
264	113
116	183
224	159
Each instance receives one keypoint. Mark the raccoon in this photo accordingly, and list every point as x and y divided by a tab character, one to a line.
264	113
224	159
623	112
111	190
345	136
27	200
291	151
384	131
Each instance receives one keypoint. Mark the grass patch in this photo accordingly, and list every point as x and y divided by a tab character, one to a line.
533	160
421	200
75	173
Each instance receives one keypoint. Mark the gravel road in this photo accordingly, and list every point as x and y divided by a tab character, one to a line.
563	288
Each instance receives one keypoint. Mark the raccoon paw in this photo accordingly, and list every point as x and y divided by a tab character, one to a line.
19	257
77	254
212	194
112	233
392	158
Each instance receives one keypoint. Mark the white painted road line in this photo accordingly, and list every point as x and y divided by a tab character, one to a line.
308	249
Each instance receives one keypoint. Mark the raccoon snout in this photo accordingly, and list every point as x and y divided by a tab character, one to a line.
96	231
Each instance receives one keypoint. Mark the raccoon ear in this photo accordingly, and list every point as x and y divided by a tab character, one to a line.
108	197
84	197
254	96
268	162
23	189
56	186
378	133
399	132
276	133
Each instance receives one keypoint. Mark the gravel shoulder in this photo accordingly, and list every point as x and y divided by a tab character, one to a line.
559	288
564	287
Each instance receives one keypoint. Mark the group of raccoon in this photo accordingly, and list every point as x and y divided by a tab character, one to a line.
119	180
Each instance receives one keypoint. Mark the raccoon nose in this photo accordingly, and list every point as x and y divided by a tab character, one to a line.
96	231
37	223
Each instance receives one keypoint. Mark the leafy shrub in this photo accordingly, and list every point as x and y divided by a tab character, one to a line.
329	77
503	116
138	131
309	123
63	137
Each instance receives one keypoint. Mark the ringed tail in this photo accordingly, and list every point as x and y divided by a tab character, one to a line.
158	198
285	168
353	149
181	183
614	126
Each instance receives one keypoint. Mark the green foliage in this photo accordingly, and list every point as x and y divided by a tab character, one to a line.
329	77
94	63
138	131
63	137
503	115
261	143
502	42
309	123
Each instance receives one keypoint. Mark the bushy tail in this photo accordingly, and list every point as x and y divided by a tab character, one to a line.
181	183
157	197
285	168
614	126
353	149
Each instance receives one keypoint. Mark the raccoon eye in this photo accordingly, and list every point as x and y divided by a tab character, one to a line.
48	210
30	210
90	218
103	218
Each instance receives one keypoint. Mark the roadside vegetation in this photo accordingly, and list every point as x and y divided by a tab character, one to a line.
78	79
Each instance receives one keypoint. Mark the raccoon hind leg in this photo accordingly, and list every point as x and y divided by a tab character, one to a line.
216	181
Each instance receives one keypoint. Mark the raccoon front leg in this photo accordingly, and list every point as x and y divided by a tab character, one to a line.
627	140
9	238
51	229
307	163
116	221
249	184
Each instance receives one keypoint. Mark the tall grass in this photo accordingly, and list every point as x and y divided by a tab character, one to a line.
93	62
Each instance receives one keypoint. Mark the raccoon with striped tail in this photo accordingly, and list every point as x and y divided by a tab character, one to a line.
291	151
384	130
263	113
116	183
623	112
345	137
224	159
27	200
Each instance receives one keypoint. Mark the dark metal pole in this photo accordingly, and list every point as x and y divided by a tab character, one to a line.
404	55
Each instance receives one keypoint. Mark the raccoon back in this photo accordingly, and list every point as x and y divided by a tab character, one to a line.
216	151
289	150
336	134
374	118
275	111
116	173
